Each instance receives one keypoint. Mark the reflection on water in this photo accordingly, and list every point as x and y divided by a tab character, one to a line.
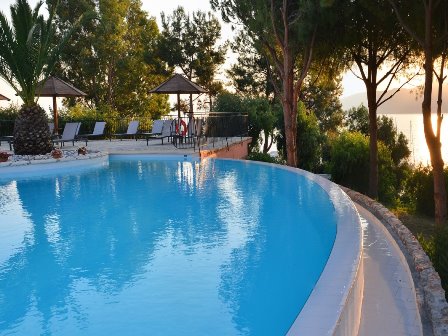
161	248
412	127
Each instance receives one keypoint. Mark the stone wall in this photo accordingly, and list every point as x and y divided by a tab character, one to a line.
433	301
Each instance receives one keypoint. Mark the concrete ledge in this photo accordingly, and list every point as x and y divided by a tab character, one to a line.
433	299
334	306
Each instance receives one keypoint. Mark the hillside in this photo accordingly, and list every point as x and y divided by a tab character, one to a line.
405	101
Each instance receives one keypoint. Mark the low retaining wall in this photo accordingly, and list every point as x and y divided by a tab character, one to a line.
433	300
237	150
45	164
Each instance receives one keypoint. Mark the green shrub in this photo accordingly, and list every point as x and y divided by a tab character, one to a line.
419	190
263	157
229	102
309	141
349	165
8	116
10	112
436	247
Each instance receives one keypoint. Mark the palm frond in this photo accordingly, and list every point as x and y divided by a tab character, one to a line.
28	53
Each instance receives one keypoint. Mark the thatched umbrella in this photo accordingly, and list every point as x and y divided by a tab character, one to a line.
178	84
55	87
2	97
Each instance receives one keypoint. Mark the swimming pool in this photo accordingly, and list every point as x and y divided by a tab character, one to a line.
161	246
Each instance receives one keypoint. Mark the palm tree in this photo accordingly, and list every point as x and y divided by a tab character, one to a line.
28	54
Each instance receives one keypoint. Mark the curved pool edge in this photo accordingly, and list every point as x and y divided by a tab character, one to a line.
334	305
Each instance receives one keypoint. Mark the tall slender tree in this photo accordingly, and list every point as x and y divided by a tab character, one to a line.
190	42
425	21
113	59
251	73
28	54
381	50
285	32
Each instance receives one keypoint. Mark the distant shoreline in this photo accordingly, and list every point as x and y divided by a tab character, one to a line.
404	102
400	112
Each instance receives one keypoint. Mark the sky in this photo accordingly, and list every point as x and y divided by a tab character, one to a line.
351	84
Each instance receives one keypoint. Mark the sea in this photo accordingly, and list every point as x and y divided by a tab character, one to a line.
411	125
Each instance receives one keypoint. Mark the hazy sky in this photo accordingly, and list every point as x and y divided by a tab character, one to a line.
154	8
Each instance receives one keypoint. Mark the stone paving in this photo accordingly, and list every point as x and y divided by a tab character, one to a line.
429	292
132	146
389	305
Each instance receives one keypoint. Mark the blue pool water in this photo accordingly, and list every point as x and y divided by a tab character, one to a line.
161	247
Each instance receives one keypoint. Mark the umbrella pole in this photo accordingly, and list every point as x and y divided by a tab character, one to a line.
55	116
178	106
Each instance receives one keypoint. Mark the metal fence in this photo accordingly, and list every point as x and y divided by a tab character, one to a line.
209	129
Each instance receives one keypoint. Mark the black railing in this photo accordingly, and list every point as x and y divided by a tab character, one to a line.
199	130
207	129
6	127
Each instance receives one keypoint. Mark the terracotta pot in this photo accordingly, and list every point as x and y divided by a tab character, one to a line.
4	157
56	154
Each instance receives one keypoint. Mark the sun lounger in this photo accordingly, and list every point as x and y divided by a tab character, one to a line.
167	132
51	128
98	131
131	132
69	134
157	127
9	139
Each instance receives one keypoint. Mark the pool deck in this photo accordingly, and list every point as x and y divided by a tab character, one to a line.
389	304
131	146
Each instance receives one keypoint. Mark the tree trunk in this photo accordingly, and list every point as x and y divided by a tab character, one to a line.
31	132
432	140
289	110
373	133
268	139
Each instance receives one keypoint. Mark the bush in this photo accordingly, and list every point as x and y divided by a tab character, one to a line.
263	157
349	165
229	102
10	112
309	140
436	247
8	116
419	190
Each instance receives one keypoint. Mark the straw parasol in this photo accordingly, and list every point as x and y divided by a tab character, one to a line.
55	87
2	97
178	84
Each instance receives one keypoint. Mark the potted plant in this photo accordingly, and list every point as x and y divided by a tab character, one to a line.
82	151
56	153
4	156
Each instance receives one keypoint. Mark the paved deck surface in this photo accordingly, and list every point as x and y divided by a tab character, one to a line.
389	306
131	146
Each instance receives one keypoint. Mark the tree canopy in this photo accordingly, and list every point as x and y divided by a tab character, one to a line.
113	59
287	34
190	43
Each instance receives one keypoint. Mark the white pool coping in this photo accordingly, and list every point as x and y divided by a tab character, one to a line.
334	305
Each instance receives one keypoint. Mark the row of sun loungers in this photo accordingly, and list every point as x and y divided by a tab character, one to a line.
161	130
